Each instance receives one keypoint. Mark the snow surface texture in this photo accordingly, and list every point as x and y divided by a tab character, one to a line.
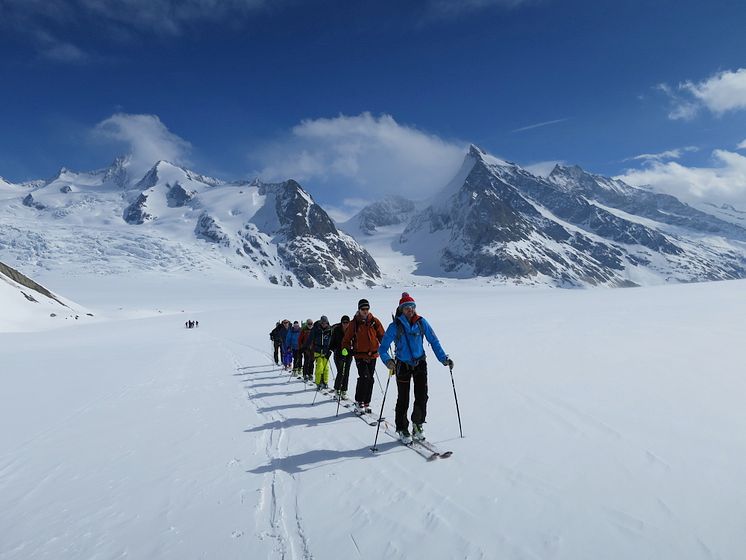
598	424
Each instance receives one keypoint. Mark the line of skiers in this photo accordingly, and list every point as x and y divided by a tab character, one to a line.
308	347
191	324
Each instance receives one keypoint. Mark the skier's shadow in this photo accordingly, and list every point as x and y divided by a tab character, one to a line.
259	371
294	405
268	384
277	394
295	463
290	422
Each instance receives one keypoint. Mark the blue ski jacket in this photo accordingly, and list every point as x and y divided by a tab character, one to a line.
409	340
291	340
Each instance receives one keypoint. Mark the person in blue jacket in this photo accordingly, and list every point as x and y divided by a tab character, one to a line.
408	331
291	342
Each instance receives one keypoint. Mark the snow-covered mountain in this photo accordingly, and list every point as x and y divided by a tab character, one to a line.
497	220
174	218
27	305
390	211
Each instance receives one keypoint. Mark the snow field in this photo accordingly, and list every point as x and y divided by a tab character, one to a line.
598	424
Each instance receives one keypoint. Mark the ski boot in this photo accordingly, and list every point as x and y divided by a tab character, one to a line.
404	437
418	432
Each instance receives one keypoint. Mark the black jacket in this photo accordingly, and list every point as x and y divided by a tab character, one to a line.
320	339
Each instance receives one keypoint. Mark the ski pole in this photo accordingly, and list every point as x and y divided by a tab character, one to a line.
380	416
378	379
337	393
456	397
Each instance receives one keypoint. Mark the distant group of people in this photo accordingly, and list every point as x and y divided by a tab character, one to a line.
191	324
307	348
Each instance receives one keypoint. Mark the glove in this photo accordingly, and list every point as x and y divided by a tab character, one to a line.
344	352
327	354
391	364
448	362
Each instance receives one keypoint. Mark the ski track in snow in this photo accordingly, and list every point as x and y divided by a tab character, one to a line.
278	511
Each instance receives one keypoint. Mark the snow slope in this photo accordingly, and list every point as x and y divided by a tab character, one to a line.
29	306
598	424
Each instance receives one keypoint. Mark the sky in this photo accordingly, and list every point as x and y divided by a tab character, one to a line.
361	99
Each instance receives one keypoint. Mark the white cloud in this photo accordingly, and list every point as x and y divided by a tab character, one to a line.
543	168
741	146
363	156
722	92
724	181
667	154
147	139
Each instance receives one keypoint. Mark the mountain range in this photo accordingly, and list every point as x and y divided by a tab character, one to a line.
494	221
173	218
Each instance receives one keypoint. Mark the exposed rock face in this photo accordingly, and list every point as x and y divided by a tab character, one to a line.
25	281
308	242
208	229
136	212
499	220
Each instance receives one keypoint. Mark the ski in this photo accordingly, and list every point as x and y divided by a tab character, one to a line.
434	449
414	446
424	448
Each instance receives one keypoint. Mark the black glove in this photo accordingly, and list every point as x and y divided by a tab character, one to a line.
327	354
448	362
391	364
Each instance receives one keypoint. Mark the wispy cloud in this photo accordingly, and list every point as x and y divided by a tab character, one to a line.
362	156
723	181
665	155
720	93
541	124
51	48
741	145
146	139
445	8
543	168
57	27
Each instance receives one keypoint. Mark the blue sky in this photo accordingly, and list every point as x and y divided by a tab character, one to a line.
361	98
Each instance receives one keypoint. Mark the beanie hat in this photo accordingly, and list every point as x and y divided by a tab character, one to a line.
324	319
406	300
345	318
295	323
363	303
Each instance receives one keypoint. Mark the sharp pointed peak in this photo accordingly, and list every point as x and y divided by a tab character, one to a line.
476	152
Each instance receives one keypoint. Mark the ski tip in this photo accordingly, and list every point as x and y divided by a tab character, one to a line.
433	457
445	454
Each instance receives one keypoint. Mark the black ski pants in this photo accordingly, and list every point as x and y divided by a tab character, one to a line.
418	374
307	363
278	352
297	359
365	372
342	364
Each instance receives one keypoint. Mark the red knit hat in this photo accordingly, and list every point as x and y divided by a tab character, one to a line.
406	300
